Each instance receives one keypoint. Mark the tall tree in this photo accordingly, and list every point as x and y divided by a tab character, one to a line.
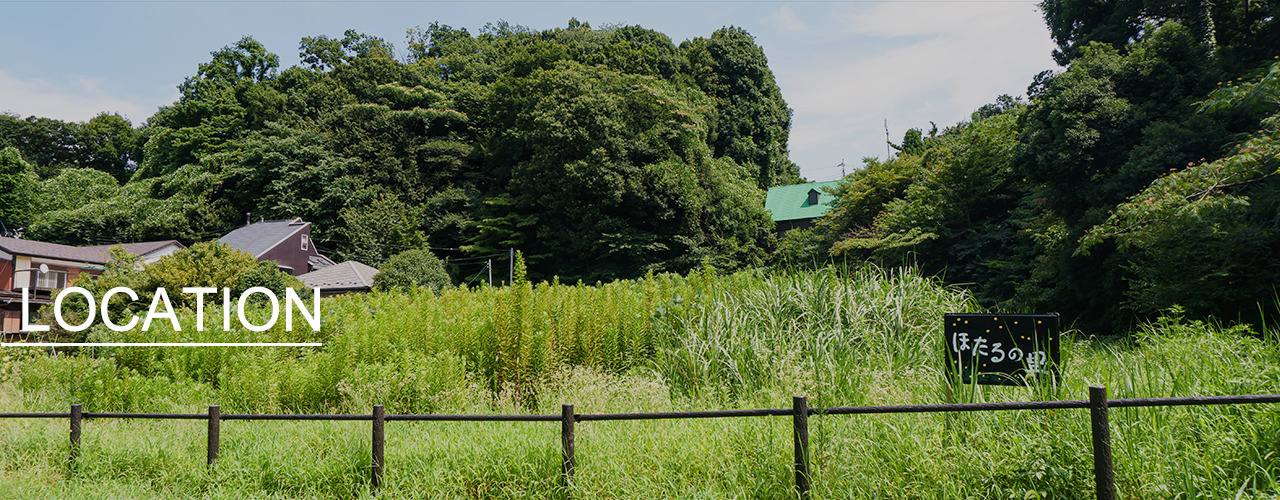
752	122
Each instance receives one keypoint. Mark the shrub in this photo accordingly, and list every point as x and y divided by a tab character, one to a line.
411	269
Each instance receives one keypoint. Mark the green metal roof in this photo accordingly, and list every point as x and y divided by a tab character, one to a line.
792	202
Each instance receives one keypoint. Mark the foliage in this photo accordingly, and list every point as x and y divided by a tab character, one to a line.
603	153
751	122
1203	236
210	265
1241	31
74	187
943	208
608	152
133	214
377	231
636	190
18	188
107	142
410	269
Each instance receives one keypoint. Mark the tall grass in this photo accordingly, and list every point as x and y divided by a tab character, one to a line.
661	343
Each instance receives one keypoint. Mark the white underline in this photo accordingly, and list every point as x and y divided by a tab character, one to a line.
161	344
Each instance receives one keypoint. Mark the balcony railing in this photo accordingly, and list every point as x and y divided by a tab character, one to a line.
38	281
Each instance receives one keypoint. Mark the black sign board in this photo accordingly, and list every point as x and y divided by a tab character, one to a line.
1003	349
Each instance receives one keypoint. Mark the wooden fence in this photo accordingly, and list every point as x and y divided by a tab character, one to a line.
800	411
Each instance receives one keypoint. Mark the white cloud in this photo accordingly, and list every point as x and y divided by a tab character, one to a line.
934	61
78	100
784	20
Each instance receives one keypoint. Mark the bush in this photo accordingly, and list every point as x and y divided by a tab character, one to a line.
411	269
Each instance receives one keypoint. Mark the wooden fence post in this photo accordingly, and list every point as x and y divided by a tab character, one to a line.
77	416
800	428
1103	476
566	443
379	434
215	431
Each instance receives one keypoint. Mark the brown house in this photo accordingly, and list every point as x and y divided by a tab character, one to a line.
44	267
286	242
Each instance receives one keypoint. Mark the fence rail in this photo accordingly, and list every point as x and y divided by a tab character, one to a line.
1098	405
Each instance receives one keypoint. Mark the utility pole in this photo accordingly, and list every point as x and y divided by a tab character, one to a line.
490	266
511	261
841	165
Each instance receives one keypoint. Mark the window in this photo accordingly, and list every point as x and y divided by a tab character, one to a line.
306	243
51	280
813	197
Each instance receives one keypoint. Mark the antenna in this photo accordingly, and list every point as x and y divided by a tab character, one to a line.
887	142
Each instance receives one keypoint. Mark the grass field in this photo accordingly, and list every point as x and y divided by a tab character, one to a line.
749	340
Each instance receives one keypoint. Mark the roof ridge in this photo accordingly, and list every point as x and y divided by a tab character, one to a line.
357	270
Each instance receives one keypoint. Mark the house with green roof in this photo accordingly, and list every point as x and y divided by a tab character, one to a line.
796	206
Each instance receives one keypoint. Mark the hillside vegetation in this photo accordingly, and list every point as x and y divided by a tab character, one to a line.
601	153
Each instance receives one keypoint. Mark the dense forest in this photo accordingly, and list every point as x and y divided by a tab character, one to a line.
599	153
1137	178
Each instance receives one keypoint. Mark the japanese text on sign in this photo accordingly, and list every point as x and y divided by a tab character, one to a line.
1001	348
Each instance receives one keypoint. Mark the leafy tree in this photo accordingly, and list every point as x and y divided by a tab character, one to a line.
324	53
862	195
612	170
153	209
1243	31
751	122
383	228
110	144
945	209
267	274
75	187
471	141
49	145
1203	237
210	264
107	142
1095	135
247	61
912	142
18	188
411	269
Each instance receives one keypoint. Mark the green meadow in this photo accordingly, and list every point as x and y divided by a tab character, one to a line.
661	343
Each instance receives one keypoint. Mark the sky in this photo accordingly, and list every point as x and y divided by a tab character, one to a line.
846	67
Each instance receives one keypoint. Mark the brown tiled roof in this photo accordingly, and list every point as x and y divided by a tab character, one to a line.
349	275
93	255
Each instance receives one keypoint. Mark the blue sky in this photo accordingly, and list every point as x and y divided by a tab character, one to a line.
844	67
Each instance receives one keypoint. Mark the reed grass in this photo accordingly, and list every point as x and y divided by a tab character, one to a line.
662	343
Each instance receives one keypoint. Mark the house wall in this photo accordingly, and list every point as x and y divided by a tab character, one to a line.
289	252
18	274
6	271
26	269
9	320
21	272
786	225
